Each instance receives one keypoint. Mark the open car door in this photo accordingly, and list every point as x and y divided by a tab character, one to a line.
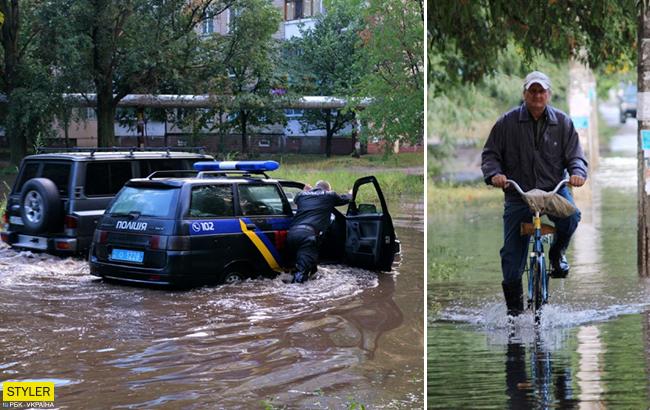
370	241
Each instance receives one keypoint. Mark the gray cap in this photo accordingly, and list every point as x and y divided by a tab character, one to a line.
539	78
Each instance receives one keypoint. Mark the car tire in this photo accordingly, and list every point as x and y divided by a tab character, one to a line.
40	206
233	276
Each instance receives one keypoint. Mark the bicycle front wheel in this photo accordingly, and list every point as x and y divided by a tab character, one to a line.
540	285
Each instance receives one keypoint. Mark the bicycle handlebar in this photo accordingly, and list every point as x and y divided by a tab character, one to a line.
554	191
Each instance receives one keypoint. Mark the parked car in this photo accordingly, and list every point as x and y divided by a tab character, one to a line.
225	226
627	102
58	197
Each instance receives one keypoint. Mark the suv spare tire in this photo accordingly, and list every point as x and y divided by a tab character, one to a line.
40	206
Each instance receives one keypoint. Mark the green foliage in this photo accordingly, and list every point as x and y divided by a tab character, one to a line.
243	66
324	61
117	48
465	38
394	76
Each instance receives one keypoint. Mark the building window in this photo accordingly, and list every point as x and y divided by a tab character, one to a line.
264	143
207	27
298	9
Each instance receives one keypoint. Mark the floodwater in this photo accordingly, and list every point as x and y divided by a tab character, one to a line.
592	350
348	338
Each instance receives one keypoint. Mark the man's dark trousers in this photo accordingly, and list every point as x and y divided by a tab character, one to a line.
302	239
515	246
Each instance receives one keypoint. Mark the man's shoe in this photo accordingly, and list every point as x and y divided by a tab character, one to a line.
560	265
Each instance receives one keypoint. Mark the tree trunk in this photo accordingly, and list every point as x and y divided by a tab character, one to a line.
243	120
329	133
643	117
105	116
16	135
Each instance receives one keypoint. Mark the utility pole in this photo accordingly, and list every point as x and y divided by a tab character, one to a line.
643	138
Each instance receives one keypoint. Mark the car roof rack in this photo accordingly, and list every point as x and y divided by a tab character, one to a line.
131	150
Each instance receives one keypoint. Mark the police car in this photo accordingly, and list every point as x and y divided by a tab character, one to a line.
226	222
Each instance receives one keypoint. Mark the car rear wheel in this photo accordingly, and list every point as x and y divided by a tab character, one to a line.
40	206
233	276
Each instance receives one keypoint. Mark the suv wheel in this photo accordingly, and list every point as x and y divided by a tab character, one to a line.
40	205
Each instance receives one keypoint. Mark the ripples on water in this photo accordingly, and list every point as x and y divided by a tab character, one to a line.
305	345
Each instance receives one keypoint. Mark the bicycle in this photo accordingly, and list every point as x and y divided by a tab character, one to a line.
538	277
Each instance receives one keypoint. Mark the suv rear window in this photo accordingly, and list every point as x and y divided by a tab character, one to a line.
260	200
30	170
211	201
106	178
59	174
145	202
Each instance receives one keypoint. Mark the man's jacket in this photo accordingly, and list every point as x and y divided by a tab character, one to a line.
315	207
510	150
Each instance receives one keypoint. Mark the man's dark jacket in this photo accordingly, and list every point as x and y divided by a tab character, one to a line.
315	207
510	150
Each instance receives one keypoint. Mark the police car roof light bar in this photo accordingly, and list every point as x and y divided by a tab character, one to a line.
226	173
260	166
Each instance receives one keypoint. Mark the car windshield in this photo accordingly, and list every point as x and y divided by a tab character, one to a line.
144	202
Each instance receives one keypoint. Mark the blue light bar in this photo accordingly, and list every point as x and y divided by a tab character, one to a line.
236	165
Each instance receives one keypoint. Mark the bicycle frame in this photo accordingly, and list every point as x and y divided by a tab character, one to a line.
538	277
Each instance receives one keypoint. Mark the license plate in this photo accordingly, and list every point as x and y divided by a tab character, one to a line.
15	220
127	256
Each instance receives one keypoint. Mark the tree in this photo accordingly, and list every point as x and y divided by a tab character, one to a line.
466	37
393	42
120	47
245	64
325	61
25	79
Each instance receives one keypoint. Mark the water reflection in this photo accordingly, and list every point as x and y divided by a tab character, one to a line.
545	383
540	373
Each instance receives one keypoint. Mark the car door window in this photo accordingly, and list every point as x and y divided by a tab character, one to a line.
261	200
211	201
367	201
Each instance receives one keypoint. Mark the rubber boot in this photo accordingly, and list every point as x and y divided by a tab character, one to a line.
514	297
559	262
299	277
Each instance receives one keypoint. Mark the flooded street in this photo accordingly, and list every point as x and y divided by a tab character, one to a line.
349	337
592	349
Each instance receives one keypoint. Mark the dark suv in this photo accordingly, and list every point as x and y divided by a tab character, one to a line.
58	198
225	226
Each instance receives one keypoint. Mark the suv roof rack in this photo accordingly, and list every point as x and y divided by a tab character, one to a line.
131	150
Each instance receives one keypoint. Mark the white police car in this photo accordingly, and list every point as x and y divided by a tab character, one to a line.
226	222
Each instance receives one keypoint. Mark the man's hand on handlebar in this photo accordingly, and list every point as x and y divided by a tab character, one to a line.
576	181
500	181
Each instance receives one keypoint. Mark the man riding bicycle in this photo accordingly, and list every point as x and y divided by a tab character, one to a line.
535	145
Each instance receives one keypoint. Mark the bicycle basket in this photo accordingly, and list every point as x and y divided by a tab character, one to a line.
549	203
